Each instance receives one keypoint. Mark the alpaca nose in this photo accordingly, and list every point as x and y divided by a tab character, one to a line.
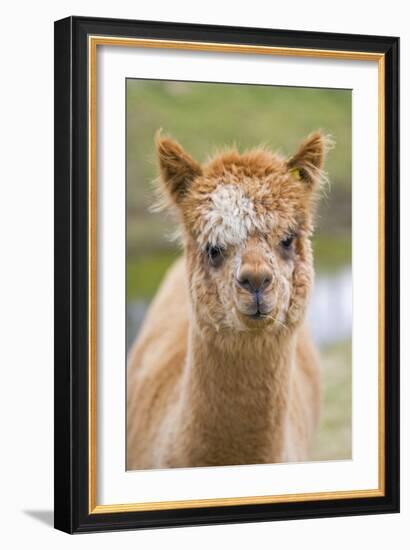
254	280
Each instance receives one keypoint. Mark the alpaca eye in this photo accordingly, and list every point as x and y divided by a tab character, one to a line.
215	255
287	242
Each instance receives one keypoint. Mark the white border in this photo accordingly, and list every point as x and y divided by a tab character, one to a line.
114	484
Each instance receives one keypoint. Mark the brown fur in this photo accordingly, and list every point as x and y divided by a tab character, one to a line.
208	383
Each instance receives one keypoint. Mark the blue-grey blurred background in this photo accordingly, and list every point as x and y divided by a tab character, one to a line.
203	117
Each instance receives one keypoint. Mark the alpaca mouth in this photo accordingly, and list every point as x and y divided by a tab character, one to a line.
257	313
259	309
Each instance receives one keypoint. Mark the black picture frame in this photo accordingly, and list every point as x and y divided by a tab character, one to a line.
71	482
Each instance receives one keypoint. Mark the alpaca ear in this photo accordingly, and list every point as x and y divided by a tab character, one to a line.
307	163
177	168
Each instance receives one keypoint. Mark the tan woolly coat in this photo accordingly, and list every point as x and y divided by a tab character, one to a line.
223	371
231	418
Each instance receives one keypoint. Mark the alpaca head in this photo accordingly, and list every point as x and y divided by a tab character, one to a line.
245	222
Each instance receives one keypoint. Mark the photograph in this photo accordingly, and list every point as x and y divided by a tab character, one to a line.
203	228
238	274
227	281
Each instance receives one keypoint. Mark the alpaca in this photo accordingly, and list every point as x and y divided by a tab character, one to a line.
224	371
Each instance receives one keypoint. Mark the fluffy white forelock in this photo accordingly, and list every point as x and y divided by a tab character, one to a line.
232	217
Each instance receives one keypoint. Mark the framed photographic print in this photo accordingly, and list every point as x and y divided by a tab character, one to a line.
226	274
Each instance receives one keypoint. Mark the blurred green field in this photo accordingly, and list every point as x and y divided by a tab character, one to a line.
334	438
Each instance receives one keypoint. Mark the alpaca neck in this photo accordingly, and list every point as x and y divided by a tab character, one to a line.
235	396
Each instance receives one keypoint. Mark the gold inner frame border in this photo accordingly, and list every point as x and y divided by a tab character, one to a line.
93	43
